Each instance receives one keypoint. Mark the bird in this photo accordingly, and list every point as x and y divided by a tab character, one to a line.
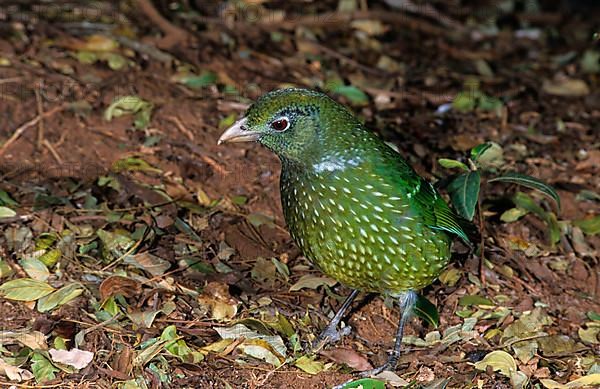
353	205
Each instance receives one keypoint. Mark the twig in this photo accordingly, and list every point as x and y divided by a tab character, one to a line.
482	248
143	48
425	10
173	34
19	131
329	20
181	127
52	151
18	218
214	164
40	111
10	80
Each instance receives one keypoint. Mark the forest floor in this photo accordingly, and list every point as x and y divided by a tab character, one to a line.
126	232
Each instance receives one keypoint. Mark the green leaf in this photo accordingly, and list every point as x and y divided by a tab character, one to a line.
35	269
42	368
590	226
364	383
227	120
258	219
529	182
5	269
478	150
590	62
174	345
50	257
488	156
45	240
489	103
426	311
452	163
25	289
525	202
59	297
310	281
309	365
130	105
469	300
133	164
6	212
593	316
464	192
513	214
275	342
115	61
352	93
5	199
114	244
499	361
464	101
196	81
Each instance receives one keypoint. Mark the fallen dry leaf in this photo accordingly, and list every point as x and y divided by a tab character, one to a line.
14	373
217	302
348	357
119	285
74	357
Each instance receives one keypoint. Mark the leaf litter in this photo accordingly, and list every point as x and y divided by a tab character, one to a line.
126	241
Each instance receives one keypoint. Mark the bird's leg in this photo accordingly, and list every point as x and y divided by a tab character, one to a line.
330	333
407	303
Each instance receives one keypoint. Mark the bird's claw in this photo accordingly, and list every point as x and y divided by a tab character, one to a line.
330	335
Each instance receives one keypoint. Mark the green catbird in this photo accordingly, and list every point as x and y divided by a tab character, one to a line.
352	204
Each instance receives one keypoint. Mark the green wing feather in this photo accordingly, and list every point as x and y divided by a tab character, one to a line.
424	197
437	214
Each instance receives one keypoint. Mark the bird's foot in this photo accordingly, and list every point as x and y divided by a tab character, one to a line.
330	335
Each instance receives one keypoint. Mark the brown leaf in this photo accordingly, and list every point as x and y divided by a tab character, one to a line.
119	285
123	362
348	357
564	86
217	302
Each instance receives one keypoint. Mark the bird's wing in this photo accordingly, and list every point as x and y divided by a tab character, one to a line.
437	214
425	198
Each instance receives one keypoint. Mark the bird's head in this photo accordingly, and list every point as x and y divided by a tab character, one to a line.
296	124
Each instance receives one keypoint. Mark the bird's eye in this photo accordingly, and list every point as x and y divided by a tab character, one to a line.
280	124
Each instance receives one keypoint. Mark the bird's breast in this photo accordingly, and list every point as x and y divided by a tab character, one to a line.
361	230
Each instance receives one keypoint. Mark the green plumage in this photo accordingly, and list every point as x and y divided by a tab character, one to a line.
353	204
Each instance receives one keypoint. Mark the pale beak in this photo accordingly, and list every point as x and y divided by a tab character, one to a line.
238	133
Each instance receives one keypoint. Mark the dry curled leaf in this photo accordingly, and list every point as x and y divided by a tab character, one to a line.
348	357
74	357
115	285
216	301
